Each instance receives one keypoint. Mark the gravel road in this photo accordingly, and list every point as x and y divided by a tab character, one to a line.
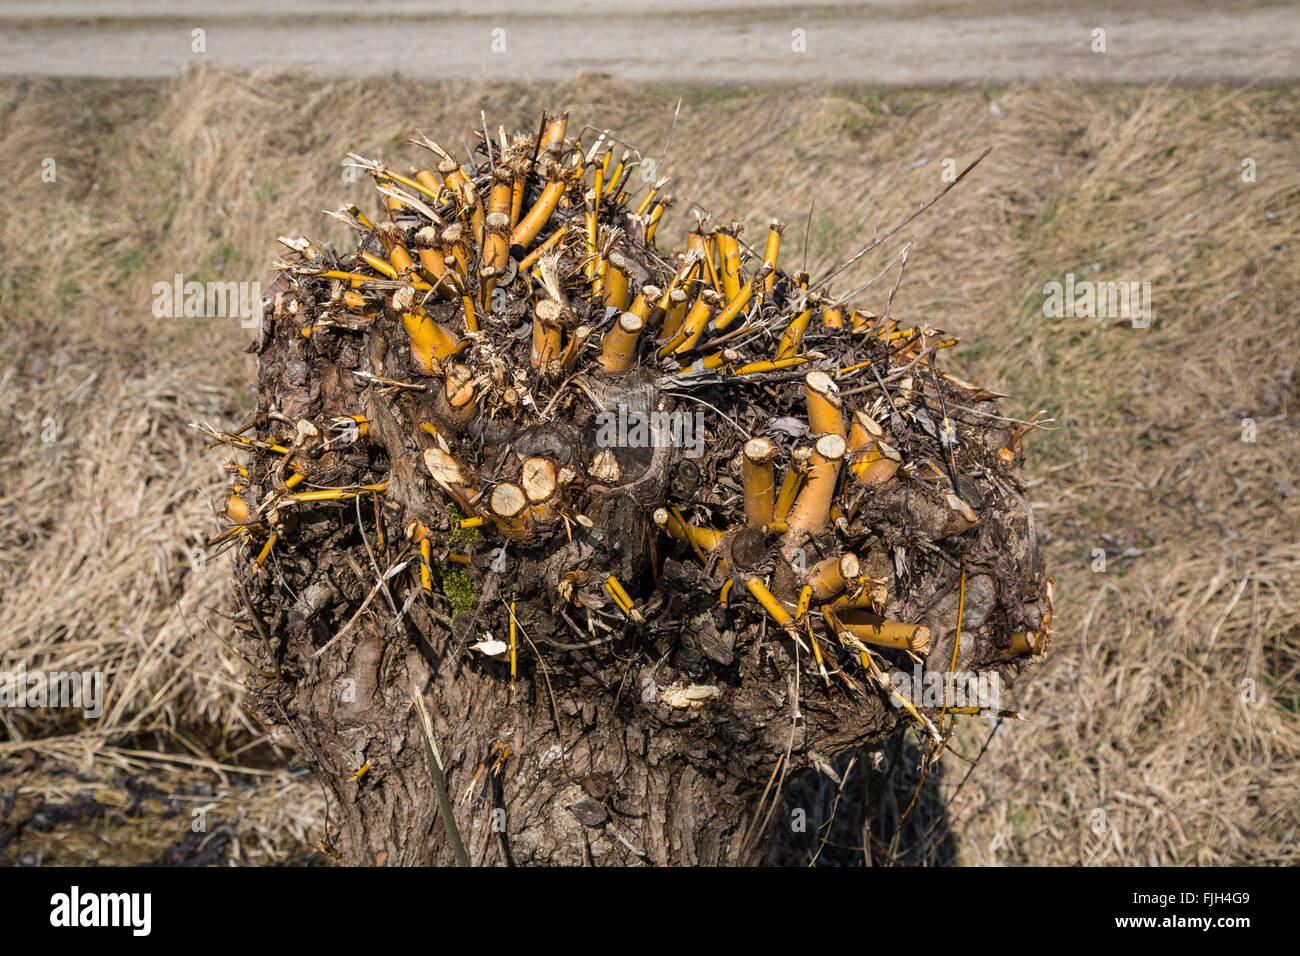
876	42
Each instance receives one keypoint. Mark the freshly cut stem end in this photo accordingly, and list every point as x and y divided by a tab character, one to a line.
1034	642
509	508
703	540
624	600
674	315
569	357
874	461
546	332
812	508
825	408
759	480
618	348
647	300
540	479
831	577
871	628
615	292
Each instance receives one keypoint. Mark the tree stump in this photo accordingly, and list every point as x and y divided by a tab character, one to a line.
643	532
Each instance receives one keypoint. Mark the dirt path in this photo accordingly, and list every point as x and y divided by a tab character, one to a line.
677	41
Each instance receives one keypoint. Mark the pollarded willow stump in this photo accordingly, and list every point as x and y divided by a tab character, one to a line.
633	528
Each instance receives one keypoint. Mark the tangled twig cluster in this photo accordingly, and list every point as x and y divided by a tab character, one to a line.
508	380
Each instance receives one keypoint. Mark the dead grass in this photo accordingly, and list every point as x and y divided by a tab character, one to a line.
1139	711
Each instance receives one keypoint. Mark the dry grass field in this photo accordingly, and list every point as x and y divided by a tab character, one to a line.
1162	728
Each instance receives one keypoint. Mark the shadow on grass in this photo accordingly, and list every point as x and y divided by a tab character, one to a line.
858	824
